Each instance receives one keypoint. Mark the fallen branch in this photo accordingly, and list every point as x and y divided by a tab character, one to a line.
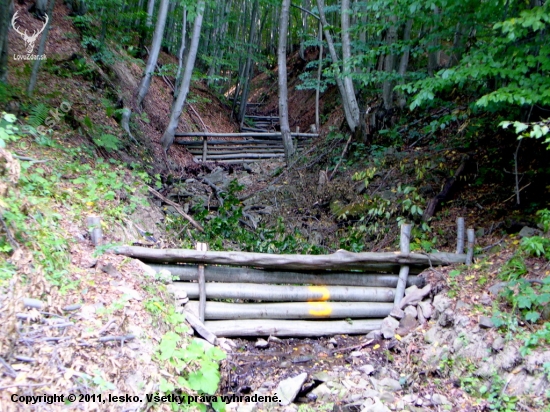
341	158
178	209
432	204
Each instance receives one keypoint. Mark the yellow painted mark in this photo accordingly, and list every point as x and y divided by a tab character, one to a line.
322	290
320	309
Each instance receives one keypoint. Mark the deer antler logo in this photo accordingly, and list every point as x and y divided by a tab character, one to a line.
29	40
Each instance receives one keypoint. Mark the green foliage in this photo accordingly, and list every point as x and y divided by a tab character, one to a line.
194	362
108	142
8	131
38	115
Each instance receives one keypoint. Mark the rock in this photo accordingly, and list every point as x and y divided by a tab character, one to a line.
462	305
508	358
374	334
132	294
431	335
261	344
249	407
389	384
486	300
377	406
289	388
446	319
411	310
367	369
274	339
415	296
497	287
397	313
421	319
406	325
441	303
321	376
427	309
387	397
438	399
321	392
388	327
527	231
498	344
411	289
333	341
486	322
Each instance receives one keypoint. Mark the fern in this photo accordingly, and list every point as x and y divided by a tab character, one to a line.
38	115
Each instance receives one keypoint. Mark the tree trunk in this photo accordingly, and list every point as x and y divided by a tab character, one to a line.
41	48
150	11
332	49
346	57
181	50
404	62
319	72
7	7
283	91
433	56
389	64
168	137
248	66
154	52
41	7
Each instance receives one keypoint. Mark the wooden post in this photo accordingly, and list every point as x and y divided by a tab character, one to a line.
471	240
460	235
204	148
202	247
94	225
405	248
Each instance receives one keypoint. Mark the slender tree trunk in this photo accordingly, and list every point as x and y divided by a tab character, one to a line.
168	137
332	49
433	55
150	11
389	64
7	10
319	72
182	49
346	57
41	48
248	66
283	91
404	62
154	52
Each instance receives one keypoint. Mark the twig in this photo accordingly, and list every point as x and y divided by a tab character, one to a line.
200	119
178	209
360	346
119	338
30	159
104	328
10	371
217	191
11	239
19	385
517	193
341	157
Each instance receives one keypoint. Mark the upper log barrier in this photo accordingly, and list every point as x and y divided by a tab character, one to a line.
342	285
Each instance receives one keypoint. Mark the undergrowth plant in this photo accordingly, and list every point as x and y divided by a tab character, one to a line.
527	298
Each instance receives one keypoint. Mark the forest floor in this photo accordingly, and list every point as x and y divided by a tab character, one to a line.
100	319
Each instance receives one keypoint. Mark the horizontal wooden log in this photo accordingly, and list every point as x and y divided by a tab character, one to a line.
243	153
258	117
340	260
253	129
247	134
286	293
230	142
291	328
247	275
292	310
246	148
244	156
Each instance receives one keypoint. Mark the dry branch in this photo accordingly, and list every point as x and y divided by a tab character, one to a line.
341	260
178	209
